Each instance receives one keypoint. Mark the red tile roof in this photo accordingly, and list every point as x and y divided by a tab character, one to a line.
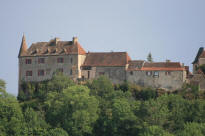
55	47
157	66
106	59
135	64
163	66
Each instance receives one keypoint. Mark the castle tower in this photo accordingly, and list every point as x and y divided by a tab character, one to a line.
23	48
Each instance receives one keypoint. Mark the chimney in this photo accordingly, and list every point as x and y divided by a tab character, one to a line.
75	40
57	40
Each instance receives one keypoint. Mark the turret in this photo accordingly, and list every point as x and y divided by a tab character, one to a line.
23	48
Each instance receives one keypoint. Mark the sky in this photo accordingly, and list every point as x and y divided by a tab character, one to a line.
169	29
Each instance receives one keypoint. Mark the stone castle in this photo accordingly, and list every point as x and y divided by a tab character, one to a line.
42	59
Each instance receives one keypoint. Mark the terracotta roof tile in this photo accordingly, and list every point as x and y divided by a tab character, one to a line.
155	66
163	66
135	64
106	59
55	47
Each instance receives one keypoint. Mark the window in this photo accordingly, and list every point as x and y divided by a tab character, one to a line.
131	72
60	60
149	73
71	72
167	73
41	60
40	72
28	73
156	74
28	61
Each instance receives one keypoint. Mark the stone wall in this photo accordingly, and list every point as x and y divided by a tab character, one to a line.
201	61
115	74
81	59
70	67
173	81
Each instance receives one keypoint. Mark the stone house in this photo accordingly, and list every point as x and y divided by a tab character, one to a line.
42	59
198	77
110	64
167	75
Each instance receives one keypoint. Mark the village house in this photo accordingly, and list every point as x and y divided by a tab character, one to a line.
42	59
198	77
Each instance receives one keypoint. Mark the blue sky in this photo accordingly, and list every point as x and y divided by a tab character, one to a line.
169	29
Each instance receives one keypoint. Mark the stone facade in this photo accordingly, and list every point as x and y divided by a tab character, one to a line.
158	79
42	59
69	67
198	77
115	74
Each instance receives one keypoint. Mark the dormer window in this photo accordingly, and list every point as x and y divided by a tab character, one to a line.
41	60
28	61
60	60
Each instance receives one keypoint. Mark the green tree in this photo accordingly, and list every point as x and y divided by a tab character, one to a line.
155	131
34	121
149	57
2	87
11	117
101	87
59	82
58	132
193	129
74	110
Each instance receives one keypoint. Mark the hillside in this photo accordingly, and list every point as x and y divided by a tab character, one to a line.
60	107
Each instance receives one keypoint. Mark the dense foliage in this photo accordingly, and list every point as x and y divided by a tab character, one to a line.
60	107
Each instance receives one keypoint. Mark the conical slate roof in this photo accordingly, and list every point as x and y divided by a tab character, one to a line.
24	47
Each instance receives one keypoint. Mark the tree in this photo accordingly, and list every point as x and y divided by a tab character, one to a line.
149	57
2	87
59	82
155	131
101	87
34	121
58	132
193	129
74	110
11	117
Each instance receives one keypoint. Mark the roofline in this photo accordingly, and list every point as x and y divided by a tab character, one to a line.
49	55
158	69
104	52
103	66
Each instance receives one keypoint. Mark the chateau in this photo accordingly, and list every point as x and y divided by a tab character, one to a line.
42	59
